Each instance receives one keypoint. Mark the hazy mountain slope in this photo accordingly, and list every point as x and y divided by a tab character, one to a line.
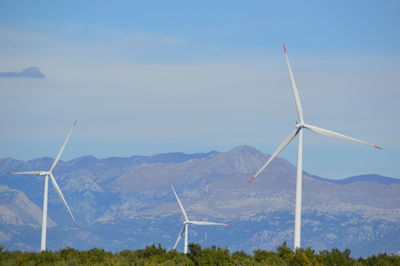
127	203
17	209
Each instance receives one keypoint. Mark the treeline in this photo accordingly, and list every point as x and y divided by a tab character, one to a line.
157	255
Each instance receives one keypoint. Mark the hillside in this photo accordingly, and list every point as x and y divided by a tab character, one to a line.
123	203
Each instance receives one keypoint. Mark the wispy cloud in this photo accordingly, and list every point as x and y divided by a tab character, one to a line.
77	40
30	72
393	3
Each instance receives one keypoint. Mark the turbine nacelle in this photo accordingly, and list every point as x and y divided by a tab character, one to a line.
44	173
299	125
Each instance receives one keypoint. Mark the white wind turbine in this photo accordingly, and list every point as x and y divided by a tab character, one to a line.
299	131
186	222
48	174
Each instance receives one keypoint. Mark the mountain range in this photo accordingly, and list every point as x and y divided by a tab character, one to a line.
126	203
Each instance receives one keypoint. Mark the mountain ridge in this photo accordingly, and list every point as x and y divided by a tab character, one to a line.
175	157
126	202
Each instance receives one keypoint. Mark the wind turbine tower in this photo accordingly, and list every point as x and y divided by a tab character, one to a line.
207	190
49	174
299	126
185	229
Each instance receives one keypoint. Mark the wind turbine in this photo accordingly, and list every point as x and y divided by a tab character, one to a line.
299	132
48	174
186	222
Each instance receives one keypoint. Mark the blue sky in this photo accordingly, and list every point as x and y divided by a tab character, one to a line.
160	76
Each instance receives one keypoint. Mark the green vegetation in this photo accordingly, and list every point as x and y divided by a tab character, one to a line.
156	255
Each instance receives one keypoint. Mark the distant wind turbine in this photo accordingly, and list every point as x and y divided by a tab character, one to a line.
48	174
186	222
299	131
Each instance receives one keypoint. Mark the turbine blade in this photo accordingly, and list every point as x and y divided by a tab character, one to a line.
295	90
180	204
53	180
287	140
25	173
207	223
330	133
62	147
179	236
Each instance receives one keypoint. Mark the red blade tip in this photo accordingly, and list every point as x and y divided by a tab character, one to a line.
378	147
284	48
251	179
9	173
229	225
